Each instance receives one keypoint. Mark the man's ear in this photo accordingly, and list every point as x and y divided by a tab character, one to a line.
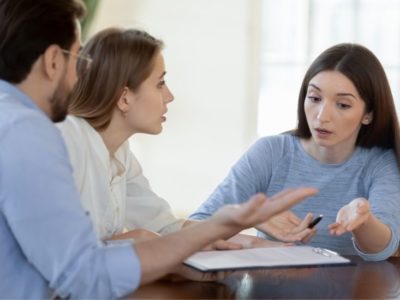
367	119
52	62
123	101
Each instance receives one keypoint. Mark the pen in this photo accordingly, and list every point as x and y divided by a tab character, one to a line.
315	221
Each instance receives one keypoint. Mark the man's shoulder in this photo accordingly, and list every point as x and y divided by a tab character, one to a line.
15	117
20	123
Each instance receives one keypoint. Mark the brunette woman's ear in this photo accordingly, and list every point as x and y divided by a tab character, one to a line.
367	119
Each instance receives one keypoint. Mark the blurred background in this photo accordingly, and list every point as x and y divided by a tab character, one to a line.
235	68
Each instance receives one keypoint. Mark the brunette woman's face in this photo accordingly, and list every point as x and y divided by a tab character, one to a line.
334	110
148	105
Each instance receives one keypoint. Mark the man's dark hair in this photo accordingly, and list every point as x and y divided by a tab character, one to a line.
29	27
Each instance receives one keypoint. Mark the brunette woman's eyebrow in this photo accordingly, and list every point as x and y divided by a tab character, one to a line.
338	94
346	94
314	86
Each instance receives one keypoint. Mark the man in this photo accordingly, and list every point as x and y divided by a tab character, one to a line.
47	241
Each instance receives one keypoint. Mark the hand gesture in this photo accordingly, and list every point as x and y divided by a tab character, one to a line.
244	241
259	208
287	227
351	216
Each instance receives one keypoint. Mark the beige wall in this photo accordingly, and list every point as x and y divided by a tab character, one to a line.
212	62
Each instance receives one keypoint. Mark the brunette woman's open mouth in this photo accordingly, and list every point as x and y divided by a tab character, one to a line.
322	132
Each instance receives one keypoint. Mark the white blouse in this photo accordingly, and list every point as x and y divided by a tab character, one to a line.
113	189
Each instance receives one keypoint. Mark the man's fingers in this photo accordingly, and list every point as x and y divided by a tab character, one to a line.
282	193
259	208
278	204
253	205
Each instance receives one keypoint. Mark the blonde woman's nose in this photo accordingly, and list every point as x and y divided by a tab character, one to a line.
168	97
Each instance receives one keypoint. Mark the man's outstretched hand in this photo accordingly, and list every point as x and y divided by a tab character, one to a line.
259	208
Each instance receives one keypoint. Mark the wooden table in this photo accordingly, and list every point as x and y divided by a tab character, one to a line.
361	280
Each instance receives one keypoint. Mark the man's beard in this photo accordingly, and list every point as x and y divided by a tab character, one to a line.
60	101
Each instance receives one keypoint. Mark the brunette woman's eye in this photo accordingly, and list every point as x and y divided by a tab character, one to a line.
313	98
343	106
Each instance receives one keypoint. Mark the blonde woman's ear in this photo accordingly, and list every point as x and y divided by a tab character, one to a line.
123	101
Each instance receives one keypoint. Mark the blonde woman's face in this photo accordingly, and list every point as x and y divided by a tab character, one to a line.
148	105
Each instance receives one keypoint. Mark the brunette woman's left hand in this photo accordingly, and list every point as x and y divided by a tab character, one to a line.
287	227
351	216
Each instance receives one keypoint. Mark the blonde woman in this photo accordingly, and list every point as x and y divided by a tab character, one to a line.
122	92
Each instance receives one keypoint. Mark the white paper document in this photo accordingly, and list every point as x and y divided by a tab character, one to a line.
264	257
